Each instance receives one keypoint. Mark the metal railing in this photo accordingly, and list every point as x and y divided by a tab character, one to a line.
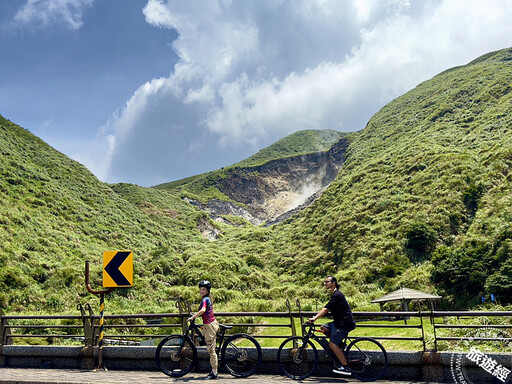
84	328
506	336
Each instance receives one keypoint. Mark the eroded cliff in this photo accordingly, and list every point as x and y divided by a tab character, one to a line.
271	192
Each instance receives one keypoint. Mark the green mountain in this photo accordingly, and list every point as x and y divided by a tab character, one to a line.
423	199
55	215
419	198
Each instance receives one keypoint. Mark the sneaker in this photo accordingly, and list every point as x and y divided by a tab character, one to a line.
211	376
342	370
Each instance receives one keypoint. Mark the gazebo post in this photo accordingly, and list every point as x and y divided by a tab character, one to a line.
405	307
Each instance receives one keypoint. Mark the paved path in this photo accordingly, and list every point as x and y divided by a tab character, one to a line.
72	376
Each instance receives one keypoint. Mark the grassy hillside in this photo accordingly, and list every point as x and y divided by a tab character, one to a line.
54	215
425	191
423	200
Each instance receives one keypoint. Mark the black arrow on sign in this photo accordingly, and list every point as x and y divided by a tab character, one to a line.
112	268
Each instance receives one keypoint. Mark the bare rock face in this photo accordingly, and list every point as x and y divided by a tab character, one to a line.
272	192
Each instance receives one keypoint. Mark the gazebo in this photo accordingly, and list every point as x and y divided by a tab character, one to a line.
405	296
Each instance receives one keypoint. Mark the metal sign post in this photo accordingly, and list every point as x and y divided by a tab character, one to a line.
117	272
102	307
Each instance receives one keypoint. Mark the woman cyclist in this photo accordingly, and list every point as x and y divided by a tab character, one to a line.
210	325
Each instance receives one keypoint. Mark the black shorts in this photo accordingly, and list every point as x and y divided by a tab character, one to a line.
337	335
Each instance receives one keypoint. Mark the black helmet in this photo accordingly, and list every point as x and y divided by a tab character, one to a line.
206	284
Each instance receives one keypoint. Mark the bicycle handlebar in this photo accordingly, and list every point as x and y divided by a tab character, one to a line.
309	325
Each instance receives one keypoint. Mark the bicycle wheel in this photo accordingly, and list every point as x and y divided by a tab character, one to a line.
176	355
296	360
367	359
241	355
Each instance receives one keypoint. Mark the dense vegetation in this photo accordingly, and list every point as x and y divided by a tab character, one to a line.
424	197
55	215
423	201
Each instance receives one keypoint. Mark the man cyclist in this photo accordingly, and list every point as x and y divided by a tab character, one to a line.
343	322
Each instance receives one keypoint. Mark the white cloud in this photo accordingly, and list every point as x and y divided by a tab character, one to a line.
205	94
251	72
46	13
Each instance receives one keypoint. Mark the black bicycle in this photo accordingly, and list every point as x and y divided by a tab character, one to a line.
297	357
240	354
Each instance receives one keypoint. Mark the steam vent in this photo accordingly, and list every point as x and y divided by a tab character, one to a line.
272	192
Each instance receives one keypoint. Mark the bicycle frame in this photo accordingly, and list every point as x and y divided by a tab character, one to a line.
323	341
193	328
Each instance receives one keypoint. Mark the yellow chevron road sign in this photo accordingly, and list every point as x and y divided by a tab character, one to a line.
117	269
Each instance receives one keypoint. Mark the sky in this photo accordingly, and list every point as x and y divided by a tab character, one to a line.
151	91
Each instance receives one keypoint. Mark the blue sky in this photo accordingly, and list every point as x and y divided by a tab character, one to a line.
147	92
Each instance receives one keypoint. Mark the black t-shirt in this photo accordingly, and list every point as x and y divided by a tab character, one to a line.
341	312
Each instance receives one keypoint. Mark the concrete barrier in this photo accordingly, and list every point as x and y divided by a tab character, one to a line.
426	366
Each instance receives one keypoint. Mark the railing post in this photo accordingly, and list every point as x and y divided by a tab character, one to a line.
300	316
422	328
292	321
183	315
433	322
4	330
88	324
94	325
186	314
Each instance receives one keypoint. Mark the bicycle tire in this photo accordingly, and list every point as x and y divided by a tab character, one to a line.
241	355
176	355
367	359
294	364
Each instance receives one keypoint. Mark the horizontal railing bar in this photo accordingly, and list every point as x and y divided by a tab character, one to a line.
271	336
256	336
139	336
29	336
267	314
42	317
387	326
139	326
179	325
473	326
469	313
227	335
476	338
259	325
144	316
47	326
392	338
273	314
400	314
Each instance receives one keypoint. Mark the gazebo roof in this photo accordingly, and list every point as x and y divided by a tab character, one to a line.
405	294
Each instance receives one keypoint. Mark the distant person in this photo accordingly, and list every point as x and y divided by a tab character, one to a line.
493	299
210	326
343	322
483	299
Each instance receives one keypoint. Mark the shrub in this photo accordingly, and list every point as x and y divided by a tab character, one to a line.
420	241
